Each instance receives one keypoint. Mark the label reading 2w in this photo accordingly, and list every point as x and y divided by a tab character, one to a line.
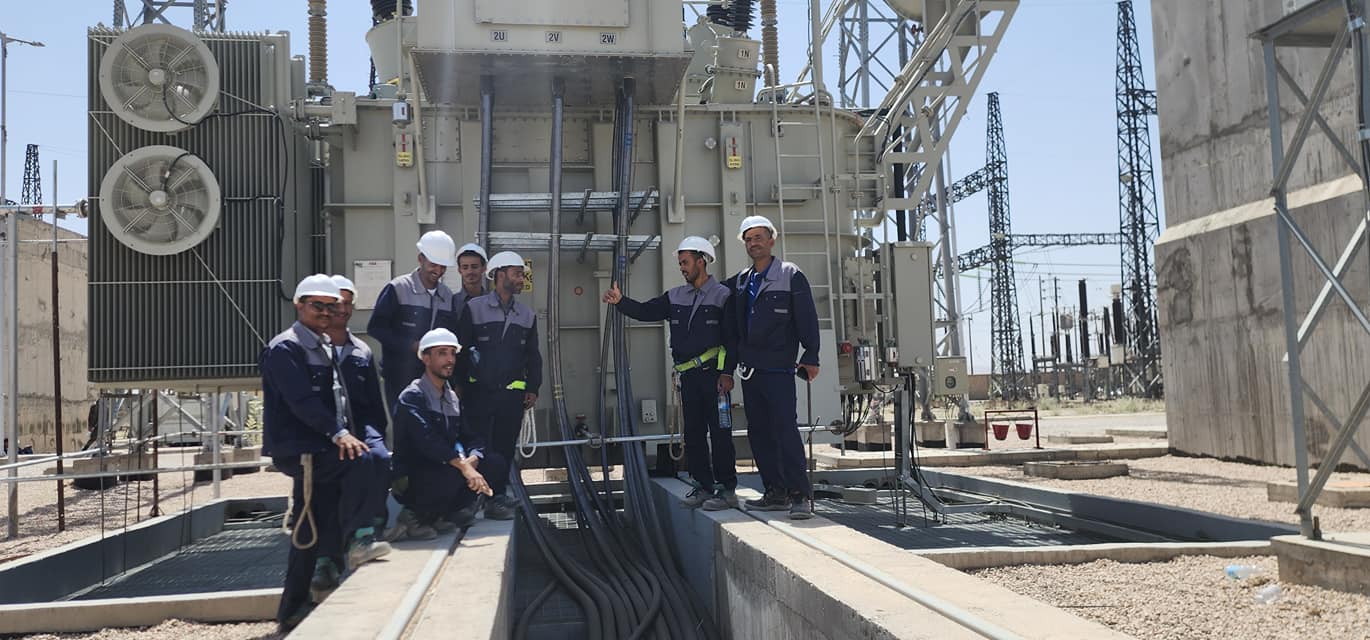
608	38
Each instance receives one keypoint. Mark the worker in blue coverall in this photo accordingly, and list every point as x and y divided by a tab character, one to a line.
359	373
440	462
500	368
774	316
408	307
702	346
339	482
471	260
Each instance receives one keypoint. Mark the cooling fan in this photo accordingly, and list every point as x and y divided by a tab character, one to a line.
160	200
159	78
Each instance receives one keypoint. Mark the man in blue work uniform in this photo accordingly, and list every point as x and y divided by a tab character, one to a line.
408	307
500	367
340	483
363	400
774	316
443	461
471	261
702	346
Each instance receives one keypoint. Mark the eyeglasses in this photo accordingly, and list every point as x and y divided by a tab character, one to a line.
324	307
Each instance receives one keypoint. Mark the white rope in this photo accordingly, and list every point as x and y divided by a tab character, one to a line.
528	434
306	513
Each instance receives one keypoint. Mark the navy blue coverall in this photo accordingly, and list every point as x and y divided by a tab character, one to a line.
698	326
498	363
300	416
774	314
429	433
404	312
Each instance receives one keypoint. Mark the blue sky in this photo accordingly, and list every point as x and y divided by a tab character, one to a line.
1057	106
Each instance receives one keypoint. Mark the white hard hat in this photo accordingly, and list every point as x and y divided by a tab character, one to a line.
696	243
344	284
318	285
438	338
752	222
501	260
472	247
438	248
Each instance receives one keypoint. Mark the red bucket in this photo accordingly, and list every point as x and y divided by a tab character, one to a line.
1000	431
1024	430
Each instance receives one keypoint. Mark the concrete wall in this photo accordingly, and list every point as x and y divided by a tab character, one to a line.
35	337
1221	321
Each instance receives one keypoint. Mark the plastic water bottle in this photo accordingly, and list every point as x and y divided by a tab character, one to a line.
1241	571
725	412
1269	594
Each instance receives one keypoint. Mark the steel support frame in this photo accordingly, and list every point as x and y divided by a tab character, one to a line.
1282	164
208	14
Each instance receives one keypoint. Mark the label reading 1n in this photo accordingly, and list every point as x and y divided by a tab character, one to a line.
608	38
553	37
499	35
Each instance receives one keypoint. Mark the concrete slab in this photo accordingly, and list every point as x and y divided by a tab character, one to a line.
92	615
482	572
1343	494
1138	432
859	495
1075	470
770	584
990	557
1341	561
381	587
106	464
1070	438
829	457
871	438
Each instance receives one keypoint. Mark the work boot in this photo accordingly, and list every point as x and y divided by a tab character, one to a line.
463	517
500	508
694	498
295	618
364	548
326	579
722	499
801	508
408	526
770	501
443	526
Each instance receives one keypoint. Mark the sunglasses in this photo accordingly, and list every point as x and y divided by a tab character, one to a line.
322	307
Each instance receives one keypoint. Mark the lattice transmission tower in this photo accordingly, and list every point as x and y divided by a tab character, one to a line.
1139	222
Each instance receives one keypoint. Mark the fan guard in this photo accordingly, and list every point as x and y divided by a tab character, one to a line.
150	68
160	200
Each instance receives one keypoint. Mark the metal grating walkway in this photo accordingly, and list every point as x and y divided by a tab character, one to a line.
962	530
231	560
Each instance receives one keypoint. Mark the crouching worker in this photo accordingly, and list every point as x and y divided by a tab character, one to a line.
441	464
339	482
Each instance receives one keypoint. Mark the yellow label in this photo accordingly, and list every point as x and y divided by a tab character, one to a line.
527	275
404	158
734	161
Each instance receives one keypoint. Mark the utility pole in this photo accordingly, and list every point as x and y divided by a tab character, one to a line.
11	291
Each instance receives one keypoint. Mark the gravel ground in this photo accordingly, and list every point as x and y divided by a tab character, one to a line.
1227	488
125	504
175	630
1189	598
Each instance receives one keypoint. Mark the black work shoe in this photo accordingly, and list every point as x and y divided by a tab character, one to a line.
363	550
326	579
694	498
295	618
500	508
801	508
771	501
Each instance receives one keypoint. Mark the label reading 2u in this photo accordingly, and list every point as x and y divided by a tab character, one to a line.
608	38
499	35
